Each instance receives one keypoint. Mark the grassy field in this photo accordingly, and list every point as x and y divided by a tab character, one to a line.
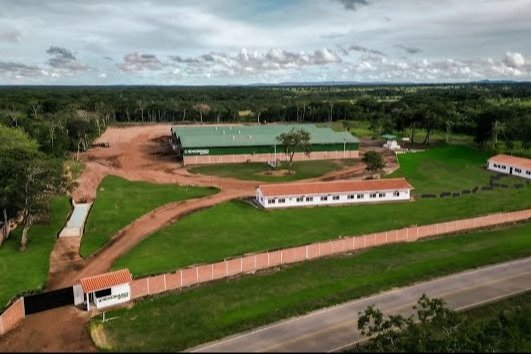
450	168
262	172
176	321
28	270
119	202
235	227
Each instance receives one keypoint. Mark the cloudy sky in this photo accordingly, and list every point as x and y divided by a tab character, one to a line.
249	41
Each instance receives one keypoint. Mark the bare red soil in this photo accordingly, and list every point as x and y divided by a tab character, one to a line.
138	153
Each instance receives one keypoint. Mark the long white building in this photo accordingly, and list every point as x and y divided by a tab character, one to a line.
332	193
510	165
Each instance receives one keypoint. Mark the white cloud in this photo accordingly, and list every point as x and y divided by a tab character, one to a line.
514	60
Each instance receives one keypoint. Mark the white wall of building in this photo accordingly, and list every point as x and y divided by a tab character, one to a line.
332	198
505	168
119	294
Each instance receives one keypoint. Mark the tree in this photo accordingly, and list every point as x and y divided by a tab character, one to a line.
436	329
374	161
293	141
43	179
16	152
202	108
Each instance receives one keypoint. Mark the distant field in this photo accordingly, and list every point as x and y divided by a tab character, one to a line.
28	270
119	202
262	172
234	228
175	321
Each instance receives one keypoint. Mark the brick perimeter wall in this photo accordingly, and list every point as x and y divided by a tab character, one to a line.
12	316
251	263
255	262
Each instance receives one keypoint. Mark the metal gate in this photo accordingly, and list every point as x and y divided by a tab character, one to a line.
49	300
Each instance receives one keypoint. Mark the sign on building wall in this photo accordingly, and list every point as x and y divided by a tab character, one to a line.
197	151
119	294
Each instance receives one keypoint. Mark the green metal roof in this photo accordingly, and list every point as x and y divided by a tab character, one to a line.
253	135
389	136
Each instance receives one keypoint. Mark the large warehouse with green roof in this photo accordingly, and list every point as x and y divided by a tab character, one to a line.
256	143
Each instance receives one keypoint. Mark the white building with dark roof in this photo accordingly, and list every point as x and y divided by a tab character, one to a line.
284	195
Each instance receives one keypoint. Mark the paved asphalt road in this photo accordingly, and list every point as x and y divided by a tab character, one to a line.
334	328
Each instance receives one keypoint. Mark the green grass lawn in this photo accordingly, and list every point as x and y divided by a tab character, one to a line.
119	202
258	171
234	227
28	270
175	321
450	168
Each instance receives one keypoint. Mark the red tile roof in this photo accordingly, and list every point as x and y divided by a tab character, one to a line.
512	161
106	280
307	188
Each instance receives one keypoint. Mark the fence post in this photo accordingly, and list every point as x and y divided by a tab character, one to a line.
212	265
241	265
386	239
147	280
165	287
197	274
181	278
226	269
353	243
268	259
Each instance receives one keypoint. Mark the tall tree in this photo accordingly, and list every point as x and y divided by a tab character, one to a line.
296	140
43	179
16	153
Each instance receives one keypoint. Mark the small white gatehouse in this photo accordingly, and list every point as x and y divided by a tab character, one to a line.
511	165
107	289
284	195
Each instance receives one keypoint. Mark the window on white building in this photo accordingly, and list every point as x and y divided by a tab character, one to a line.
300	199
396	194
372	195
381	195
309	199
324	199
528	173
350	196
360	196
271	201
335	197
282	200
517	170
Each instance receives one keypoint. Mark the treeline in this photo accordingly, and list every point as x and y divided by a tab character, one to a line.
68	118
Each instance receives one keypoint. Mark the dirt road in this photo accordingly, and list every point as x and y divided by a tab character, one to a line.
138	153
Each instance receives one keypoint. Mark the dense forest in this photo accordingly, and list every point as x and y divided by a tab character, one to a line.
40	126
67	118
